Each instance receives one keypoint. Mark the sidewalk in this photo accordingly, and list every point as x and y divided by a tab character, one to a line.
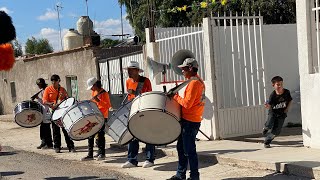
286	155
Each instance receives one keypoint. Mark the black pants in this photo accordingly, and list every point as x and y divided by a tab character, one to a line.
101	142
275	123
57	137
45	134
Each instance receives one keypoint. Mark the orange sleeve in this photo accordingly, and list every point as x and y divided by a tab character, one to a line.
190	95
45	97
64	93
105	100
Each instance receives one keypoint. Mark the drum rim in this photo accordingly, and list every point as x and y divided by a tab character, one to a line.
26	101
74	100
15	120
122	136
157	144
147	93
147	142
73	125
154	109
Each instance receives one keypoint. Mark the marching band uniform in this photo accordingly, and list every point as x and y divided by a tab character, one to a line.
51	97
102	99
134	88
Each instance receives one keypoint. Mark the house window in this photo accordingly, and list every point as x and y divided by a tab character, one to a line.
13	91
72	87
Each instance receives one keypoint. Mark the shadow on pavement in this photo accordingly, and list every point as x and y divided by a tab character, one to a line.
273	176
10	173
79	178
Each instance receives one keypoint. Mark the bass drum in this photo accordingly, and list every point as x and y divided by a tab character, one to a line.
61	109
154	118
28	114
117	125
82	120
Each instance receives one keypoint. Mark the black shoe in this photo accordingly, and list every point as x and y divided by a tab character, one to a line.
96	155
72	150
41	146
175	178
192	178
101	157
57	150
267	146
264	131
87	158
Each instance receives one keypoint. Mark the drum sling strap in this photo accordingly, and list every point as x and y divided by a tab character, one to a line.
140	86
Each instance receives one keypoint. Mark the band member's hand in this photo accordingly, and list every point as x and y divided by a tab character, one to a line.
110	109
97	99
131	91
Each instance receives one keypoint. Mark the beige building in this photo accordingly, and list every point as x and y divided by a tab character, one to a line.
73	66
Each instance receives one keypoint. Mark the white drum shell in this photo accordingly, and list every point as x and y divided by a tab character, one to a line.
80	116
25	109
154	118
117	125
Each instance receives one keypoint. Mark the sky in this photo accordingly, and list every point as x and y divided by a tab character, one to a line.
39	18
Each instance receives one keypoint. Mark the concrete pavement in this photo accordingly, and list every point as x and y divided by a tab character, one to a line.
286	155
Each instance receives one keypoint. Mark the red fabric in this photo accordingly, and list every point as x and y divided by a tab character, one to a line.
6	57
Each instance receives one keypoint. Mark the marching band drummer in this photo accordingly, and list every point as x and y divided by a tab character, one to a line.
45	129
191	116
102	99
136	85
52	95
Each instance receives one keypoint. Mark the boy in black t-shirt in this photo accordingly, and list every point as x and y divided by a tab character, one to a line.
278	105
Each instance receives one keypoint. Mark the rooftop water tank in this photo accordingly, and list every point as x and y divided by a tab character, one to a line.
72	40
85	25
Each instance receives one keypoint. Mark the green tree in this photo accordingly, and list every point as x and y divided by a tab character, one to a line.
165	14
106	43
38	46
17	48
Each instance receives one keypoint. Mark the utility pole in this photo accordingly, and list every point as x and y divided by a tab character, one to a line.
58	8
121	22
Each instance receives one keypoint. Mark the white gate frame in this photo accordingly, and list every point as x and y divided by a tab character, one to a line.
236	114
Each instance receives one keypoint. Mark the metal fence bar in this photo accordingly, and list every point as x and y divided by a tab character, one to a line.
262	57
233	61
251	64
257	60
245	60
239	61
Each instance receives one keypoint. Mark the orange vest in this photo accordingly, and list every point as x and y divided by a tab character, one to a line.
193	101
131	84
104	103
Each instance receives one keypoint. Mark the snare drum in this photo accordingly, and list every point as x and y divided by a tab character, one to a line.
154	118
28	114
61	109
82	120
117	125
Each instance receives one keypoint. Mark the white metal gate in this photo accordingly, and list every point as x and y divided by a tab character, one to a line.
239	63
113	77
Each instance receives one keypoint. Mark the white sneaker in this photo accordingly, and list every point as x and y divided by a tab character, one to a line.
147	164
128	164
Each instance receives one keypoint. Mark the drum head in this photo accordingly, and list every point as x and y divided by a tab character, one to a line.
63	106
85	127
154	127
28	118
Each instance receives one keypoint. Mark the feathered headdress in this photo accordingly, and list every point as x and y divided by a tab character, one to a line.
7	34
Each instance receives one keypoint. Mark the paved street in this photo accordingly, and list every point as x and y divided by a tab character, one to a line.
27	162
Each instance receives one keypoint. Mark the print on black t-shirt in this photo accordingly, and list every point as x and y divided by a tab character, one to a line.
279	103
